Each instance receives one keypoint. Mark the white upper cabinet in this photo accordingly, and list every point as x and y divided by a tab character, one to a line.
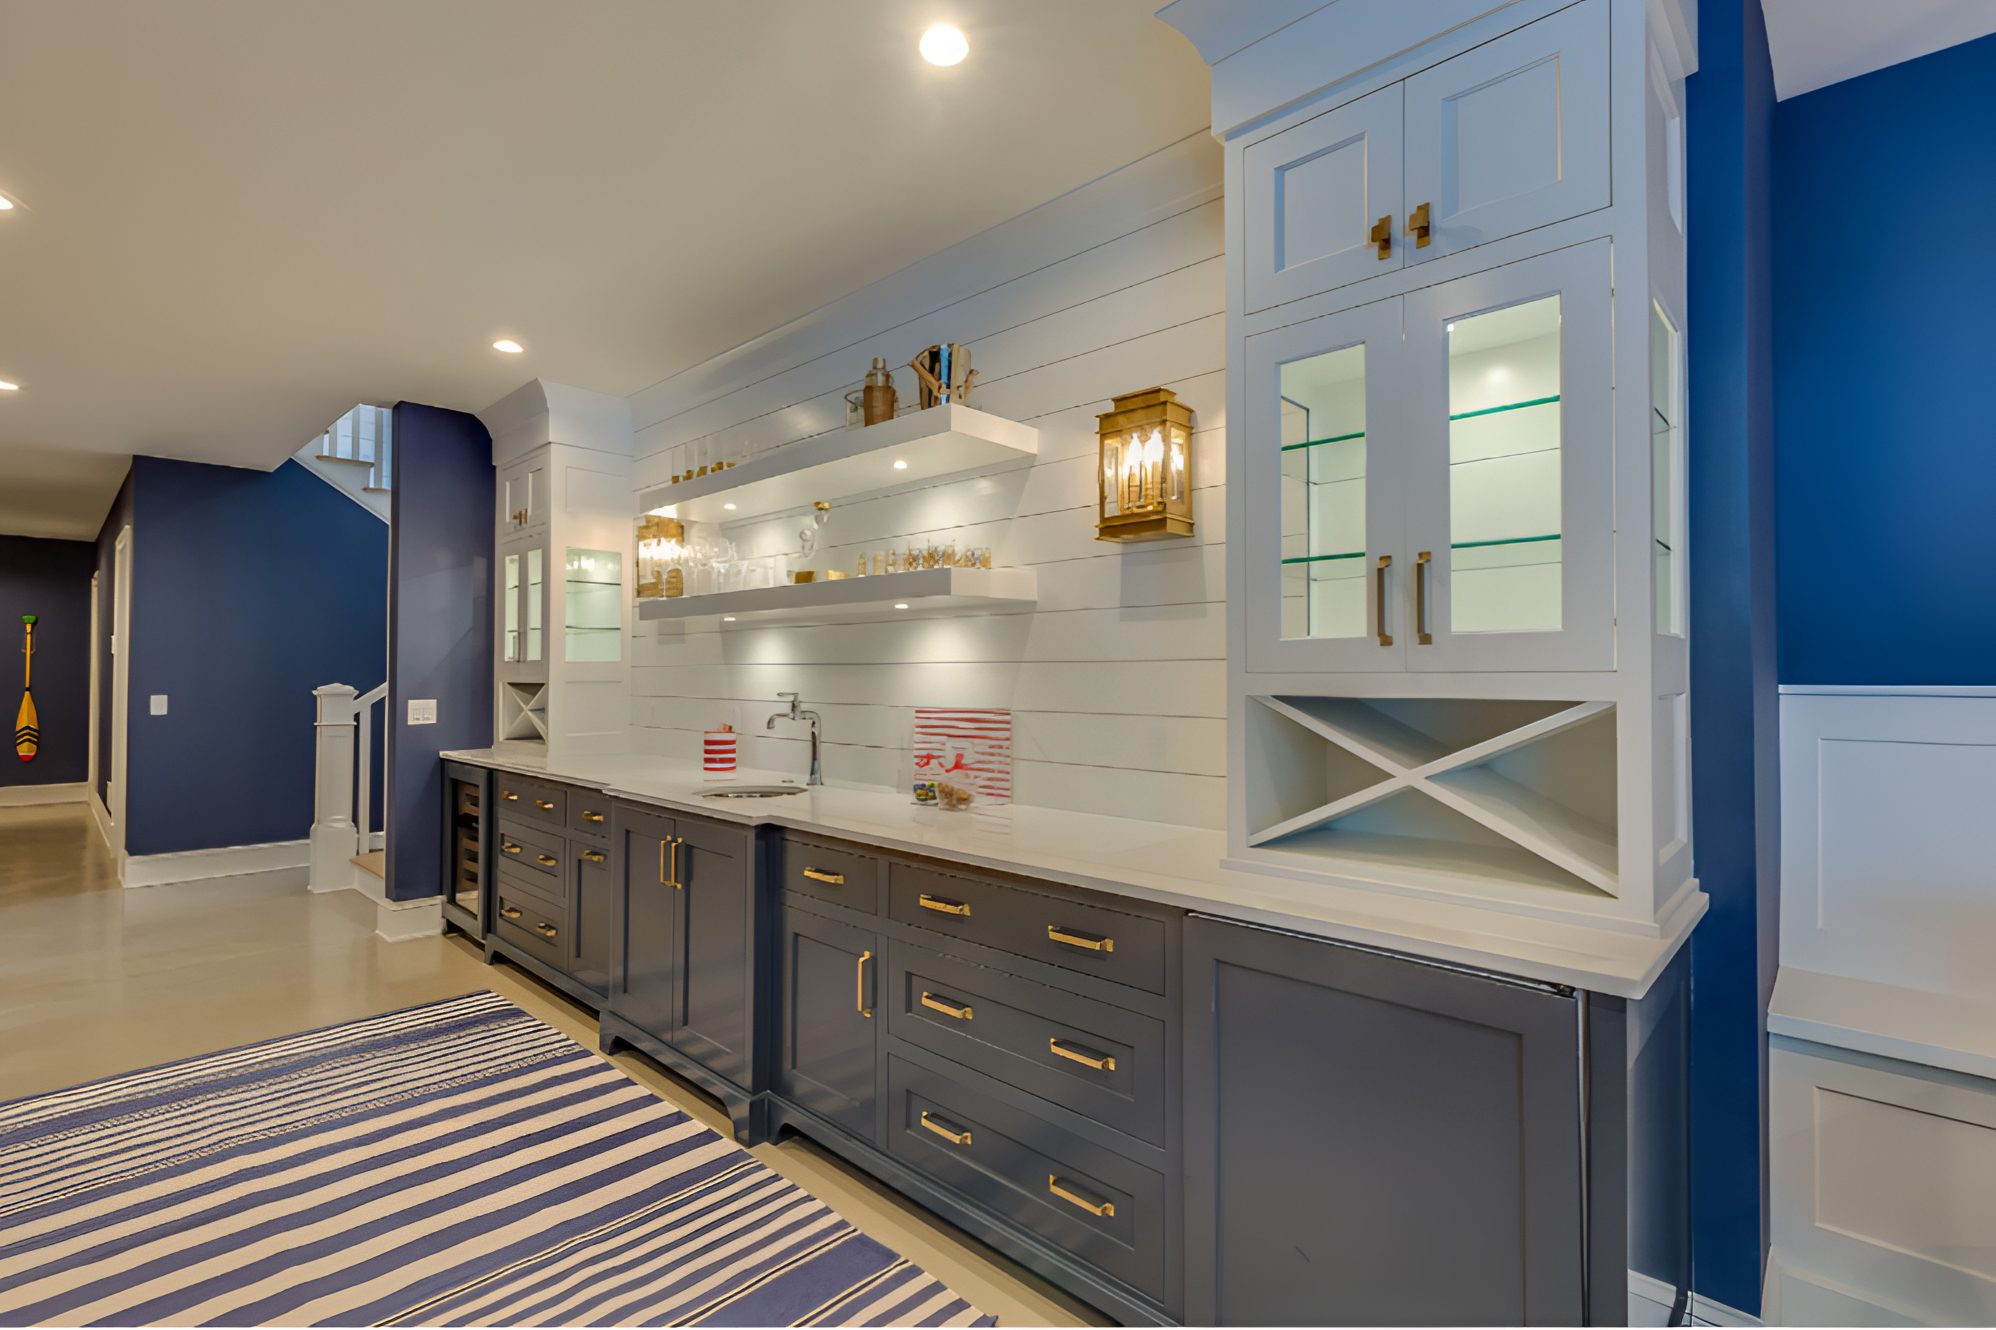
1511	135
1324	199
1506	137
523	497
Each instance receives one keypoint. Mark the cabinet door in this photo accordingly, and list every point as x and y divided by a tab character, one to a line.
645	939
828	976
523	499
1375	1141
1319	196
711	1018
1511	135
592	897
523	606
1509	379
1323	461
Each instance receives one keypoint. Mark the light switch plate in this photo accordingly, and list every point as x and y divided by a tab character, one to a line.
159	704
422	711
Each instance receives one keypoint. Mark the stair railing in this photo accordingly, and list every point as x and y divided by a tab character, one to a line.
342	788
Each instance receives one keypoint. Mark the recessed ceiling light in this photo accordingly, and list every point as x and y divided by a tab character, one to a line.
900	464
6	387
508	345
944	45
6	204
901	605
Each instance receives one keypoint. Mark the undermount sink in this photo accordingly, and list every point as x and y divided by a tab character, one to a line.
753	792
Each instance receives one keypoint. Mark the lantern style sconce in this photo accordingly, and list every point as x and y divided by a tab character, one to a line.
660	552
1145	478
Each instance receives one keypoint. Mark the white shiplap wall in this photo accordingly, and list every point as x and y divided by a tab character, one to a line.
1118	678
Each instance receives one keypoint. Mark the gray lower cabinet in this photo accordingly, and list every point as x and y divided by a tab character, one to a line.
827	1019
1372	1140
593	896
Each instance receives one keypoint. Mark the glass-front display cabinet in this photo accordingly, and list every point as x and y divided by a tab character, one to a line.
592	606
523	609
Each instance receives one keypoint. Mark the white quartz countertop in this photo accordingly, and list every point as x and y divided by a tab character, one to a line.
1171	865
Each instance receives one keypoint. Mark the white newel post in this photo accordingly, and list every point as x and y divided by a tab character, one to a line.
332	790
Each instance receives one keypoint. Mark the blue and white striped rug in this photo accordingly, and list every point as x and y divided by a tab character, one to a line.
454	1164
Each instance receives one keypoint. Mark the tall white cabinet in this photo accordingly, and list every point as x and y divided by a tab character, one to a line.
1457	644
564	571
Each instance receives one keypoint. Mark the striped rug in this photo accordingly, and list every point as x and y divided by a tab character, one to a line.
454	1164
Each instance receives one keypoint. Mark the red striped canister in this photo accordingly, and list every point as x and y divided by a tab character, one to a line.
717	755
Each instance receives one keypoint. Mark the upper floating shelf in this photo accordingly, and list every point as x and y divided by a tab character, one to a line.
939	441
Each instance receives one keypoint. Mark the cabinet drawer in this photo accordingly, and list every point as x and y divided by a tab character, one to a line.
1090	1202
537	800
532	848
589	813
1126	948
532	926
551	890
831	873
1087	1056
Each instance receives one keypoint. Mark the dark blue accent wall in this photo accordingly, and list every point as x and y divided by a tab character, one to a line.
1884	290
251	589
1734	738
115	521
440	600
49	579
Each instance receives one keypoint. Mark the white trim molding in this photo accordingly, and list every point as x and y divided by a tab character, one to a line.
102	817
158	870
34	796
405	921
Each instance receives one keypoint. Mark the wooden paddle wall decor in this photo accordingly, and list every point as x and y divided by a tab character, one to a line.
27	725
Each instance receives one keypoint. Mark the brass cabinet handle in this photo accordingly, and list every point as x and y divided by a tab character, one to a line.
1421	564
508	847
545	805
942	905
593	856
1055	933
508	912
671	843
509	796
1381	236
1060	1050
1420	226
1100	1209
947	1008
859	986
952	1136
1379	597
547	860
588	816
545	930
829	879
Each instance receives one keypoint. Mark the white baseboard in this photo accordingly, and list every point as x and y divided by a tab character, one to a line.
34	796
157	870
405	921
1704	1310
102	817
1650	1301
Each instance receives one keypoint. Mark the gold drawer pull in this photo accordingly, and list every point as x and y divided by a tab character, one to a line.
942	905
953	1137
671	878
509	796
1055	933
544	805
593	856
1381	236
1060	1050
508	912
547	860
1100	1209
947	1008
588	816
545	930
1420	225
859	986
509	847
829	879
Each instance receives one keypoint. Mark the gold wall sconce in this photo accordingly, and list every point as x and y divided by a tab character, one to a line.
1145	478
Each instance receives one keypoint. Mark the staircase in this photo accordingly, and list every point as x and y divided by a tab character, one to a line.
356	455
346	851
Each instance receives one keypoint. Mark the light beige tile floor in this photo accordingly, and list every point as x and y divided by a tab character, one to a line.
95	980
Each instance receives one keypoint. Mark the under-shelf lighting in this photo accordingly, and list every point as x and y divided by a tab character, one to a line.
509	346
729	507
6	204
727	618
900	464
900	604
6	387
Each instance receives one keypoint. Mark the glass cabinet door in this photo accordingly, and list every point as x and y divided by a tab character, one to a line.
1510	501
593	600
536	596
509	608
1323	497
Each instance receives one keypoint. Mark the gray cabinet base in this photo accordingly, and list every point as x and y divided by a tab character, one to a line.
1051	1264
615	1030
496	947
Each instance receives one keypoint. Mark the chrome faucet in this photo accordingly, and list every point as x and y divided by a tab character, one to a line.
797	713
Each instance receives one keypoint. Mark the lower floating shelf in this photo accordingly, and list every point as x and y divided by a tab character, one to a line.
892	595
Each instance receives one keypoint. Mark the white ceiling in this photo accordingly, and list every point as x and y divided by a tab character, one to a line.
1819	42
239	217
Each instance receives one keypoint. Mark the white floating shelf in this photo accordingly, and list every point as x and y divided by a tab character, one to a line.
939	441
853	599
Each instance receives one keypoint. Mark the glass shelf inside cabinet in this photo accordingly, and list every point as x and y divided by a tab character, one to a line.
1323	495
1505	525
593	587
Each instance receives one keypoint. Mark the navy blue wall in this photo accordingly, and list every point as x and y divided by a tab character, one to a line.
1882	369
251	589
115	521
1734	741
440	600
49	579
